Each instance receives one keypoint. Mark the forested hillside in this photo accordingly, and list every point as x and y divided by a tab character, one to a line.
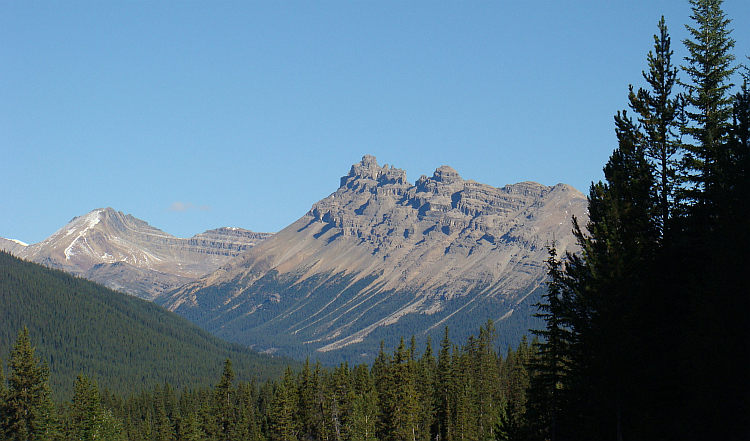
126	343
464	391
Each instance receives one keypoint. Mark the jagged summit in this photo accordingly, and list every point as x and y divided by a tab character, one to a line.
381	253
446	175
368	174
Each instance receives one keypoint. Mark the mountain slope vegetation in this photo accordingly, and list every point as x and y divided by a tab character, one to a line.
124	342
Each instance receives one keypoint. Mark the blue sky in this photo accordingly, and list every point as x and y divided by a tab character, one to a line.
194	115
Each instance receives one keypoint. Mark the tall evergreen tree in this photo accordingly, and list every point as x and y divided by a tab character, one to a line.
617	248
363	406
403	406
426	376
710	68
224	403
516	381
383	378
486	380
284	419
85	411
444	389
550	366
27	412
659	113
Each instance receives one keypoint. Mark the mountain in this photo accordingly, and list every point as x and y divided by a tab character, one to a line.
127	254
11	245
381	258
125	343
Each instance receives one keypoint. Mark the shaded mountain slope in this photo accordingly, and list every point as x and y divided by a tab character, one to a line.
381	257
124	342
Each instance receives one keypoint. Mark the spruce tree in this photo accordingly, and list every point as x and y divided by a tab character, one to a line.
426	384
403	407
659	113
486	381
284	422
223	402
383	378
608	283
710	68
27	413
86	413
444	389
363	406
550	366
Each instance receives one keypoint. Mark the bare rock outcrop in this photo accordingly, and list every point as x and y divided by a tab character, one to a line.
380	254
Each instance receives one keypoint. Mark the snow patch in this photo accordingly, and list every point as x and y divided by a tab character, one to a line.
91	220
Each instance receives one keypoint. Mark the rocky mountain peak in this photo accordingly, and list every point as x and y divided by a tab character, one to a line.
446	174
128	254
381	253
367	175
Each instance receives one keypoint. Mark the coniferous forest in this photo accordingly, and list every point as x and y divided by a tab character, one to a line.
645	331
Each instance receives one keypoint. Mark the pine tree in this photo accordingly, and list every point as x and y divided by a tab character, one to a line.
248	425
710	67
516	381
363	406
311	401
27	412
337	406
86	413
659	113
383	380
403	408
486	380
284	423
223	402
162	423
426	376
550	366
463	418
608	282
444	390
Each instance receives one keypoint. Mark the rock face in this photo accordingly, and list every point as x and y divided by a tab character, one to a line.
11	246
381	258
127	254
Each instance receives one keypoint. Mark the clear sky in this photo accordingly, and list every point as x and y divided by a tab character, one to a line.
193	115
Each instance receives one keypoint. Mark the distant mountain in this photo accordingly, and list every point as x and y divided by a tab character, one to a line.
127	254
381	258
11	245
125	343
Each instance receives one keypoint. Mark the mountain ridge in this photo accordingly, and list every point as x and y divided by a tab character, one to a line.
121	251
380	252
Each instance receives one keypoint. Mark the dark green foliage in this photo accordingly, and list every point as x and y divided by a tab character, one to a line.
709	68
284	414
223	404
660	113
552	362
27	412
647	328
468	393
125	342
